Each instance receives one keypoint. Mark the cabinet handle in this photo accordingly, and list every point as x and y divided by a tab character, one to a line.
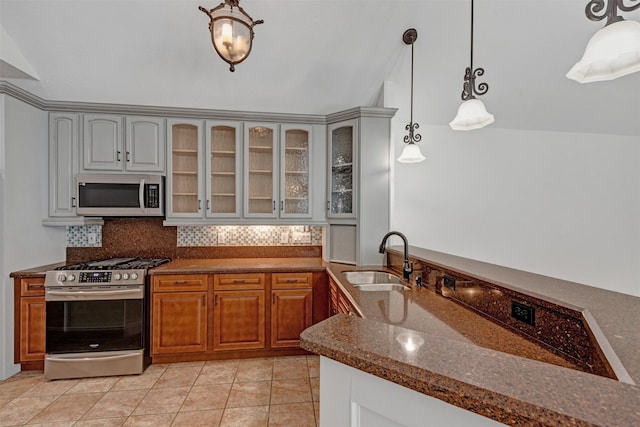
274	205
328	204
281	205
117	156
199	204
128	157
292	280
204	300
182	282
238	280
208	204
73	202
215	300
30	286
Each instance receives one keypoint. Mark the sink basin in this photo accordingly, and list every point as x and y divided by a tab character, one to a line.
371	277
372	287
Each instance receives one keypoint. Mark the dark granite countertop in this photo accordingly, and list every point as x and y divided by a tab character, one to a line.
226	265
36	271
511	388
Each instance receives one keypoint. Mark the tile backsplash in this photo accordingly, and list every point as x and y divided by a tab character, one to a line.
246	235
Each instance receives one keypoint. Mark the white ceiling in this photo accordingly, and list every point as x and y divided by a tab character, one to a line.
320	56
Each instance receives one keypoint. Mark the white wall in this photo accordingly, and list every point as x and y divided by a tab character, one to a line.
23	204
565	205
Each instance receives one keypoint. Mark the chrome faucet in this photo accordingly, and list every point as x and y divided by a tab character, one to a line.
407	267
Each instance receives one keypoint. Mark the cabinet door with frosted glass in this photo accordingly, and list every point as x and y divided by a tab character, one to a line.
184	189
224	169
261	170
342	197
295	171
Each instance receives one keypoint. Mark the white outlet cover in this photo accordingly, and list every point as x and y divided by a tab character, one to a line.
91	237
284	237
222	238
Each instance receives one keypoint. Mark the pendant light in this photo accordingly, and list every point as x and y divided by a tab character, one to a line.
231	31
613	51
472	114
411	152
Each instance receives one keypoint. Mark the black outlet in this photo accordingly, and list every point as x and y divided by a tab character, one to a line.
449	282
523	313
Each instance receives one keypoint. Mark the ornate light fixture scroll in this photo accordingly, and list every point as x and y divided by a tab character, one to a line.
613	51
231	31
411	152
472	114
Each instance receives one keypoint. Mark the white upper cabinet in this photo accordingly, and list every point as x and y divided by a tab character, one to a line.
224	169
185	187
145	144
261	170
343	166
295	171
63	164
141	148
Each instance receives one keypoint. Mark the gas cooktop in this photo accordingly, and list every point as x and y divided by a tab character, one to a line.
117	264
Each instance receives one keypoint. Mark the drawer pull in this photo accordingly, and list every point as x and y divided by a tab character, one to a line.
182	282
238	280
292	280
35	286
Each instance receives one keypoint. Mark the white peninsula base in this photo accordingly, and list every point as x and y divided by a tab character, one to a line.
350	397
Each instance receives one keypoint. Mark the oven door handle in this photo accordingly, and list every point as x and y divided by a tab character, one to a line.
92	359
94	295
141	193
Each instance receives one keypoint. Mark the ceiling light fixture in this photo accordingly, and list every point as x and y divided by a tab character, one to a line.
614	50
472	114
411	152
231	31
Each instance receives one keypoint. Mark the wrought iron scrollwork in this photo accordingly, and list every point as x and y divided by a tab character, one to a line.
469	88
412	137
609	9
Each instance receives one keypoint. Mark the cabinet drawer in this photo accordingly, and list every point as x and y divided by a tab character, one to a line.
32	287
231	282
180	282
291	280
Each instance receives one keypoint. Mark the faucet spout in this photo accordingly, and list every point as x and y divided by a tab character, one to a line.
407	267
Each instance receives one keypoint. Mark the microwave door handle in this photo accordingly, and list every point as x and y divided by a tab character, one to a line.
141	193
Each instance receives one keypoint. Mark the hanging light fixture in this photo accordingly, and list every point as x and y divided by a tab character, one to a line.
411	152
472	114
613	51
231	31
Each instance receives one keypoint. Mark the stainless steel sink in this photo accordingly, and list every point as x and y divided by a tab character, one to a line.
373	287
375	281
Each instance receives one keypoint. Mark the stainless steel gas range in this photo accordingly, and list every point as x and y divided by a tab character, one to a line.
96	318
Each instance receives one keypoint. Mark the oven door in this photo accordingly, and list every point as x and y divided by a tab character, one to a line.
94	320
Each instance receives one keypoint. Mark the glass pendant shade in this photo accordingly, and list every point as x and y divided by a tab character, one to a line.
612	52
231	35
411	154
472	114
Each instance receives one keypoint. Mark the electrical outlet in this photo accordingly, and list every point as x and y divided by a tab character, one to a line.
449	282
284	237
305	237
523	313
222	237
92	238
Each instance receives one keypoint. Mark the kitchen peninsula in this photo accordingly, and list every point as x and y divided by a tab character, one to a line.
450	366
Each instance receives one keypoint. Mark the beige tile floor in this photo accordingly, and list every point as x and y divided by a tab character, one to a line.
280	391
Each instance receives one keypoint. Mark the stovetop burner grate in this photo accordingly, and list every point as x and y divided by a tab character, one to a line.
117	264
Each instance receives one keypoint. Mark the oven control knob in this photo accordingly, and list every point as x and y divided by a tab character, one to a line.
134	276
62	278
125	276
117	276
71	277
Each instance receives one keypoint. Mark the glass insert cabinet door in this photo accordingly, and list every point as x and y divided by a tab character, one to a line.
342	173
224	145
295	200
185	194
261	157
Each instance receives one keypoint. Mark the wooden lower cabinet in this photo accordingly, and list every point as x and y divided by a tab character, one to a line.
291	307
179	314
339	303
239	320
29	321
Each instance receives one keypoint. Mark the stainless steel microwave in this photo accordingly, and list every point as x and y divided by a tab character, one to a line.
120	195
